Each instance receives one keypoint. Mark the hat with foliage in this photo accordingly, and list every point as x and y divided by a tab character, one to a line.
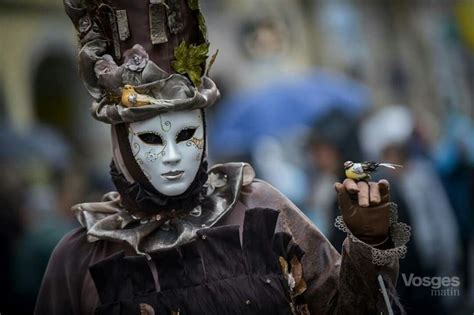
144	57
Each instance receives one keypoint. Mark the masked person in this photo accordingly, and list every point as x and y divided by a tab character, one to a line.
177	237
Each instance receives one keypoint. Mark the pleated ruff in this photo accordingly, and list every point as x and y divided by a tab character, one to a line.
215	274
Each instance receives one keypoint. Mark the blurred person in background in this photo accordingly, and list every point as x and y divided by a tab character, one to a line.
286	155
42	163
331	142
265	38
40	182
11	196
435	250
453	155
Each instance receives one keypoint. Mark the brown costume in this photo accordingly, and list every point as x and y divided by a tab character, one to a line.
163	238
337	284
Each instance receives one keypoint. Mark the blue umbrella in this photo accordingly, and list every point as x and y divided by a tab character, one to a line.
282	106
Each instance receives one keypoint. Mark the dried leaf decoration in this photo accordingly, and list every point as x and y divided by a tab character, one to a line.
283	266
297	272
193	4
286	273
146	309
189	60
211	63
293	273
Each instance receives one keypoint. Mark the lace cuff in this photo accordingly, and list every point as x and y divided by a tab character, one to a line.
399	233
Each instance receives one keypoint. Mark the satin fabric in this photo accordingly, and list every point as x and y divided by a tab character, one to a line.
109	220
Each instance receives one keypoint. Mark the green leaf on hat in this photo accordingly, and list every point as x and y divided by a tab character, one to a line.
211	63
202	25
189	59
193	4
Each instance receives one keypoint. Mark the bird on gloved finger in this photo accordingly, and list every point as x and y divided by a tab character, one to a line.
362	171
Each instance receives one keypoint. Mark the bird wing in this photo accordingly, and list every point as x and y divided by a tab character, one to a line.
391	165
370	166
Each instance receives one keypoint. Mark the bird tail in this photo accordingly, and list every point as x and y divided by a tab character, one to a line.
150	100
390	165
155	102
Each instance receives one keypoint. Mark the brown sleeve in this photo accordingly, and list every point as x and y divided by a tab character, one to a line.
67	287
336	285
358	284
62	281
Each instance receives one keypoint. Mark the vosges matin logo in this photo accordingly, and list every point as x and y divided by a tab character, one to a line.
439	286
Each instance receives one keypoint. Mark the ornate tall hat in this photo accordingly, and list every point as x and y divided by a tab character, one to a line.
138	59
141	58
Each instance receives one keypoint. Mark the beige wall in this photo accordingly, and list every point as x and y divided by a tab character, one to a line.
33	35
29	37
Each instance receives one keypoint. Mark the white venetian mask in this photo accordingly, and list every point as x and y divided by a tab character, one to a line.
168	148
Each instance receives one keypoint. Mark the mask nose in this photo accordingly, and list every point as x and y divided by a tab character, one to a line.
172	155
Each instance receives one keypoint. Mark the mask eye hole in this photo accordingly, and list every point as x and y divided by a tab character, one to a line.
151	138
185	134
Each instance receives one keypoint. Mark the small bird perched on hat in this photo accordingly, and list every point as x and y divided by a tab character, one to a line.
362	171
130	98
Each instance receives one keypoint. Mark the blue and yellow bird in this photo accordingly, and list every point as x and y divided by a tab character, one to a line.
362	171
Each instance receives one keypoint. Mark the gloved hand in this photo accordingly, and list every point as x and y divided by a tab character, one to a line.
365	208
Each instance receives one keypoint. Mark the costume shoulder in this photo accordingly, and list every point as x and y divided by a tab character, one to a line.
260	194
321	261
62	287
62	282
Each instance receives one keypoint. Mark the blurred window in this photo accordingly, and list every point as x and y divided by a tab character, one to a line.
54	84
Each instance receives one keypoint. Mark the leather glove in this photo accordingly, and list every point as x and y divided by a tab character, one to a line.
365	208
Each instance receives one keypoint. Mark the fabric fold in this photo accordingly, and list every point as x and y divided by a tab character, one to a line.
109	220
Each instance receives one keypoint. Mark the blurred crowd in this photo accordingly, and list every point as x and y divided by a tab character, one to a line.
306	85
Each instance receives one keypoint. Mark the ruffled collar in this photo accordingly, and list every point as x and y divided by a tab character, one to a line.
109	220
